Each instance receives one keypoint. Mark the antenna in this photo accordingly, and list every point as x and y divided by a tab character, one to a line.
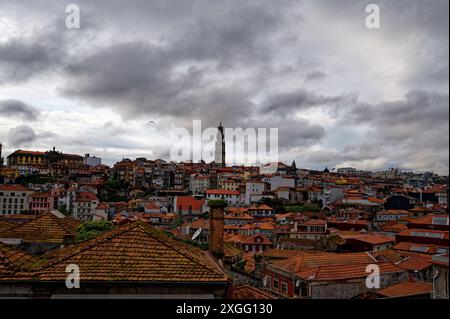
197	233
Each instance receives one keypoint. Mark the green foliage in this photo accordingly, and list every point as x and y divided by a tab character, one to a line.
32	179
63	210
113	190
91	229
217	203
275	203
307	207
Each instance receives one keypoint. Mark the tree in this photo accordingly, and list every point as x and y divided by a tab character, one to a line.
91	229
63	210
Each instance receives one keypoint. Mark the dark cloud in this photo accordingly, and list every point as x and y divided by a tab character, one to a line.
21	58
315	76
21	135
302	99
243	63
16	108
419	111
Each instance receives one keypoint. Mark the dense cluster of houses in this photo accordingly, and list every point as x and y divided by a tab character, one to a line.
288	233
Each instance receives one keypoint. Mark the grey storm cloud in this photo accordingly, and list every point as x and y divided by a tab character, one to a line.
244	63
21	59
302	99
419	110
16	108
21	135
315	76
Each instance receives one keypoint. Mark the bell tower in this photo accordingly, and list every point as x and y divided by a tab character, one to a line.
220	146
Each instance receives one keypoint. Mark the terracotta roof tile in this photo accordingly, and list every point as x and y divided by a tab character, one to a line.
406	289
249	292
134	252
45	228
414	263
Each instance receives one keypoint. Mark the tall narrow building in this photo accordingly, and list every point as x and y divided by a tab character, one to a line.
220	146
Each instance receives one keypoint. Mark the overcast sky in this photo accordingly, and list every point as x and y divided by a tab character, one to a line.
341	94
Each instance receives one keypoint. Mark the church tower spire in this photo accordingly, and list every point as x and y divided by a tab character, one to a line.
220	146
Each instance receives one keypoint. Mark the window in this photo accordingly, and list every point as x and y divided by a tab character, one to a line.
276	284
284	288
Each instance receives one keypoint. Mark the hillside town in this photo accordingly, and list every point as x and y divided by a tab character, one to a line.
211	230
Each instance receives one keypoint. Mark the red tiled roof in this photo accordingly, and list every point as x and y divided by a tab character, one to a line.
25	152
307	260
45	228
257	239
393	212
221	192
374	239
134	252
249	292
418	248
151	206
238	215
415	232
14	188
345	271
12	259
406	289
186	201
85	197
315	222
414	263
431	219
4	225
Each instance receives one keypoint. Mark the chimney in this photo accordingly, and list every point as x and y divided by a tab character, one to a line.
215	239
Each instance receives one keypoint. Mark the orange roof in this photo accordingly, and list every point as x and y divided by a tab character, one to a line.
221	192
85	197
261	207
12	259
396	228
150	255
257	239
407	289
4	225
267	226
14	188
344	271
432	219
186	201
24	152
374	239
419	248
238	215
304	260
393	212
375	200
414	263
249	292
425	233
200	223
46	228
315	222
151	206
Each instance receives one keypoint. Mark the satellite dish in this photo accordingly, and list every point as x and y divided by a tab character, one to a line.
197	233
297	283
265	281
